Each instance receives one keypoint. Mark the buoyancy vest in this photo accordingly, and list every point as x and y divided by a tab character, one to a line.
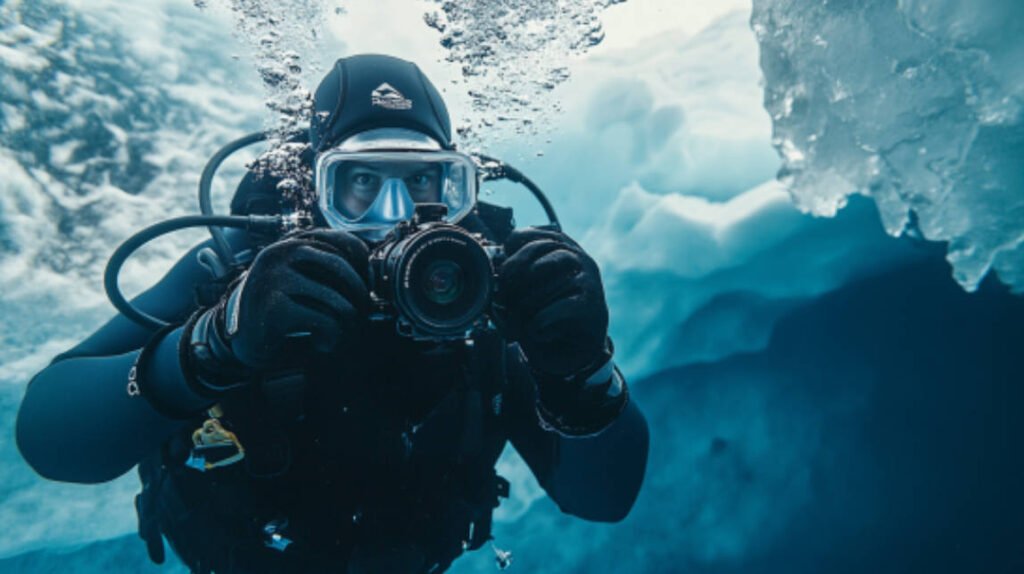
339	482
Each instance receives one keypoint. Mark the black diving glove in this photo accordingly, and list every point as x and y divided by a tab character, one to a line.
551	301
305	293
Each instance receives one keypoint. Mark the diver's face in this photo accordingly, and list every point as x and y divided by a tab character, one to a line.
358	185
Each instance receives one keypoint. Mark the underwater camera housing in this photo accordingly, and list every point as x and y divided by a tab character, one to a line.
434	279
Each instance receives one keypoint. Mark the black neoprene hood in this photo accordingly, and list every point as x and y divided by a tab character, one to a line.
373	91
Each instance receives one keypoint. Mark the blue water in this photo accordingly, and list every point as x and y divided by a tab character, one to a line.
822	396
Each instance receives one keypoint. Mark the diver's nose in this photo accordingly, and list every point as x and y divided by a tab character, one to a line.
393	203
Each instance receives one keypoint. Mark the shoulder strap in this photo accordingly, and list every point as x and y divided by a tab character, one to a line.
485	369
146	506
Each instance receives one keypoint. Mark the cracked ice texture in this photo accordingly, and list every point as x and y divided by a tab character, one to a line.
914	103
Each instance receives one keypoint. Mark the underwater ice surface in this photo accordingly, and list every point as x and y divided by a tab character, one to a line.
916	103
774	436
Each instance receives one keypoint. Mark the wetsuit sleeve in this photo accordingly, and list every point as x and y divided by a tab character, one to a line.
595	477
78	422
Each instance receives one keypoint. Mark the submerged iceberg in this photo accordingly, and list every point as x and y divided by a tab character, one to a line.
916	104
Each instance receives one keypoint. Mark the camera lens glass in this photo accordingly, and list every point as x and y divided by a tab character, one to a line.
444	281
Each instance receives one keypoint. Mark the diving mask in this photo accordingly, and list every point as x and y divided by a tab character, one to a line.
367	185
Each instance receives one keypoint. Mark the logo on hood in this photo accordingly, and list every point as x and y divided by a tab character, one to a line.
386	96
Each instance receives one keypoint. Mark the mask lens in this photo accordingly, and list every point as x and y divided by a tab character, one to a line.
357	185
369	192
355	188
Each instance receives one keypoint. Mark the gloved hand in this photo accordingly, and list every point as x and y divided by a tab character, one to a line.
551	301
313	284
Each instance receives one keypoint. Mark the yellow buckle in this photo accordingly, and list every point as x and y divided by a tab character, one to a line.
212	435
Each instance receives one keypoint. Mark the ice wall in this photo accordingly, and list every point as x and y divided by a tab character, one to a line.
915	103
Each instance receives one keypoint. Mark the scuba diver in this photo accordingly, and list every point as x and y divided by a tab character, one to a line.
334	397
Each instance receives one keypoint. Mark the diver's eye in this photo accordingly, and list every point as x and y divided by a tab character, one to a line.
421	180
363	179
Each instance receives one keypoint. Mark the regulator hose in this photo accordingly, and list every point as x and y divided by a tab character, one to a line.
220	244
258	223
496	169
